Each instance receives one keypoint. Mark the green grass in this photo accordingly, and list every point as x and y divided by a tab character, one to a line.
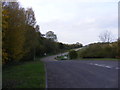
27	75
98	59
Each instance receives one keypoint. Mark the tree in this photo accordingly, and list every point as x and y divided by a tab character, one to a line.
73	54
118	47
106	36
13	30
20	36
30	17
50	35
78	45
31	33
37	28
4	28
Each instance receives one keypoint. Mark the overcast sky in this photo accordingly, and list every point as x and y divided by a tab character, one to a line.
76	20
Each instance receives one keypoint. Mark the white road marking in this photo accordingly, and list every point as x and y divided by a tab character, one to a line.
96	64
101	65
117	68
108	67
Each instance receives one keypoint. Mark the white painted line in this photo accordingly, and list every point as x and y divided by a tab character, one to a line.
108	67
117	68
96	64
100	65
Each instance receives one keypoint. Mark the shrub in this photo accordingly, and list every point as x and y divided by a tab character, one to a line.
73	54
99	51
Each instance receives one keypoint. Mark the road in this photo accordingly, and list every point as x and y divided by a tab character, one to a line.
81	74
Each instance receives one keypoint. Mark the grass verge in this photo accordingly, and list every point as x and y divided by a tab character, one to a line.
27	75
99	59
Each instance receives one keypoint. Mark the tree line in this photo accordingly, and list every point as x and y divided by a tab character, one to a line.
104	49
101	50
21	36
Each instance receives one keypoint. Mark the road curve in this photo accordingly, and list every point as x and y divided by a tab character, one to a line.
81	74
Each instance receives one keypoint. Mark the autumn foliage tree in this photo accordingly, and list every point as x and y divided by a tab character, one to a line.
13	37
22	40
18	29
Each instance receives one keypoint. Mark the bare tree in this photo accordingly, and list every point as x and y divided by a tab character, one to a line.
106	36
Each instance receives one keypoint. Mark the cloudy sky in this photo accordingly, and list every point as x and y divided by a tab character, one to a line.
76	20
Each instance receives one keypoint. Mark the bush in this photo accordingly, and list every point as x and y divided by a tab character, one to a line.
73	54
99	51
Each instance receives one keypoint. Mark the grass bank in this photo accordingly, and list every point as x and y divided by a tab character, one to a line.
114	59
27	75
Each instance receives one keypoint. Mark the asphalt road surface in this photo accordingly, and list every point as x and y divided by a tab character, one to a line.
81	74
